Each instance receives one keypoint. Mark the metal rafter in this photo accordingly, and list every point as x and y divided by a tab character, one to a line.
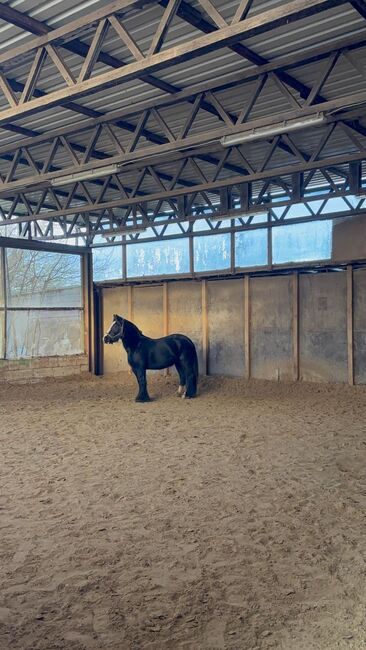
150	187
27	105
136	147
272	199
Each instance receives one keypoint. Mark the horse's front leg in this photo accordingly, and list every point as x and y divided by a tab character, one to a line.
142	395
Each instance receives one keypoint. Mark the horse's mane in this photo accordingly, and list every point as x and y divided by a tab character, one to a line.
131	333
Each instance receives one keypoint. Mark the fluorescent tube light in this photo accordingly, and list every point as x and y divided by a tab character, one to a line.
272	129
84	176
118	231
239	215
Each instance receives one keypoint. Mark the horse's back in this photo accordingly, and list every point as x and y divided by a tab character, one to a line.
171	338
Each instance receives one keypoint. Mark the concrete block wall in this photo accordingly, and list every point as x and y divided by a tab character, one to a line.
13	370
307	326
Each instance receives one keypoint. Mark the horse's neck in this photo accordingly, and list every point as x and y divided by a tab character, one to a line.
131	336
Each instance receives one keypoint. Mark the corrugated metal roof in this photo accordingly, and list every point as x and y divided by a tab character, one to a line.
299	37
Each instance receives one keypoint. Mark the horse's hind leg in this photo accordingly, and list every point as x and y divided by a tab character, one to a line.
191	380
182	378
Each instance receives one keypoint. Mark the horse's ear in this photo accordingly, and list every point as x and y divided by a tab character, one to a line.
118	318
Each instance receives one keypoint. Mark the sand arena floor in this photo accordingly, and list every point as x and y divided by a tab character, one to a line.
233	521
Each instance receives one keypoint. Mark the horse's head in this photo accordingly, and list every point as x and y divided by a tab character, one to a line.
116	330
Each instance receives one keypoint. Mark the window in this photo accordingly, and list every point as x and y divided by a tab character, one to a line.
251	248
158	258
43	333
212	252
43	315
42	279
302	242
107	263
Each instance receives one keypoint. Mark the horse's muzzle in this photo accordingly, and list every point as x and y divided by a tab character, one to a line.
108	339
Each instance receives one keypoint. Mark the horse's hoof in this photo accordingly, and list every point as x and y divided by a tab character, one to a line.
142	400
181	390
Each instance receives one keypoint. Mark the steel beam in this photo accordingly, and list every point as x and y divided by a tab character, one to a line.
266	21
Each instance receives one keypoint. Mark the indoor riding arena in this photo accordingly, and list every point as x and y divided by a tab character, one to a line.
182	199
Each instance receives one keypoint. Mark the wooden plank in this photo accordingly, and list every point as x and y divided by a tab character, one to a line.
295	326
166	100
259	24
247	326
163	27
7	90
125	37
130	302
68	31
242	10
205	341
350	347
94	50
60	64
322	77
212	12
33	76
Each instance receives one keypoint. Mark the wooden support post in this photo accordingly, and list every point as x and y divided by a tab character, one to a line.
130	302
124	258
98	331
130	310
350	325
232	248
247	326
5	299
191	254
87	280
269	247
166	316
205	343
295	326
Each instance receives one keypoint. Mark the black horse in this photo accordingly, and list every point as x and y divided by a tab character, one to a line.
144	353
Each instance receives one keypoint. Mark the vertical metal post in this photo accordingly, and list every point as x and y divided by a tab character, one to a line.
124	258
130	302
247	326
205	342
166	315
87	283
232	248
295	326
350	354
191	254
3	268
269	244
98	331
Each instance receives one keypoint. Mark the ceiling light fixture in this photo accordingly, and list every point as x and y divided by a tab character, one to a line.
272	129
118	231
85	176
